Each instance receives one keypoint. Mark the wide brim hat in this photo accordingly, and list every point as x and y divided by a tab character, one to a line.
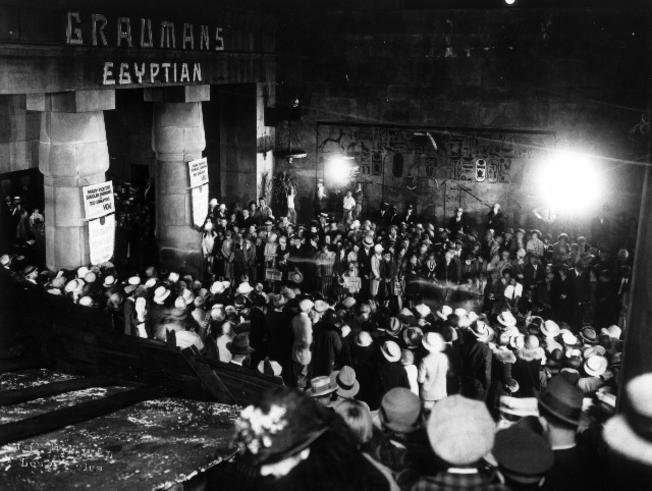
629	433
596	365
321	386
562	399
550	329
244	288
480	330
240	345
589	335
296	277
393	326
321	306
412	336
444	312
422	309
363	339
160	294
346	382
506	319
391	351
368	241
349	302
109	280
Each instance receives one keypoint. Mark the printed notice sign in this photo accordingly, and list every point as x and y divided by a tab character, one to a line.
198	170
101	235
98	200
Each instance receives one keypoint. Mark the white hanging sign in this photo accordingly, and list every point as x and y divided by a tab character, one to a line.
198	170
101	236
98	200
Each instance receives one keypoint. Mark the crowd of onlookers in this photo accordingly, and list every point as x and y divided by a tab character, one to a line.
415	355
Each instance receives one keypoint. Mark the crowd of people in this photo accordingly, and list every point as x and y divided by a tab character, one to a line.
414	356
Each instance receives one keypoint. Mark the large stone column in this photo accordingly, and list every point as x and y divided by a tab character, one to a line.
177	138
72	154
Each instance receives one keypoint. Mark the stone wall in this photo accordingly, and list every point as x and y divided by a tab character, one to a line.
579	74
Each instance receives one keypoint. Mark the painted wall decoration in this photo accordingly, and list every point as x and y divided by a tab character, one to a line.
414	163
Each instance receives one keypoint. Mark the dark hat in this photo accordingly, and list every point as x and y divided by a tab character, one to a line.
589	335
522	455
562	400
393	326
240	345
283	424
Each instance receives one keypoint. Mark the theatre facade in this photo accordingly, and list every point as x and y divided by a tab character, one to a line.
167	95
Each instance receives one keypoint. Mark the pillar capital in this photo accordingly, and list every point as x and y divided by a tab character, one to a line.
77	101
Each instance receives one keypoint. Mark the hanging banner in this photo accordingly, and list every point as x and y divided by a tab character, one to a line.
98	200
198	170
101	235
199	198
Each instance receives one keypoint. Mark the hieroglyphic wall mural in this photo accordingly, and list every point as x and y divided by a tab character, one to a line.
414	163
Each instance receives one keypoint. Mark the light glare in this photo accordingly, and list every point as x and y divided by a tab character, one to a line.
570	184
338	170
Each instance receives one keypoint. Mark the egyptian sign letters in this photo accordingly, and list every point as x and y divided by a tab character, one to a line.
98	30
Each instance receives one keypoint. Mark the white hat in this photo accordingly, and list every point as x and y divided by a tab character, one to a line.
519	406
433	342
472	317
5	260
444	312
550	329
507	319
109	280
378	248
244	288
218	287
568	337
595	365
461	312
363	339
306	305
630	440
81	271
612	331
86	301
160	294
391	351
134	280
422	309
150	283
321	306
173	277
179	303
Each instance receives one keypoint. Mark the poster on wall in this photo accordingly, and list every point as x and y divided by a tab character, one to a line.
101	235
199	199
198	173
98	200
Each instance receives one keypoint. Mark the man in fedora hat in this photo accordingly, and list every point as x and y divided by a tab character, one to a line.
475	358
560	406
391	373
240	350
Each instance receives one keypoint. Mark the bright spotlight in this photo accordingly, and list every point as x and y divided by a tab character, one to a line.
338	170
570	183
510	2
